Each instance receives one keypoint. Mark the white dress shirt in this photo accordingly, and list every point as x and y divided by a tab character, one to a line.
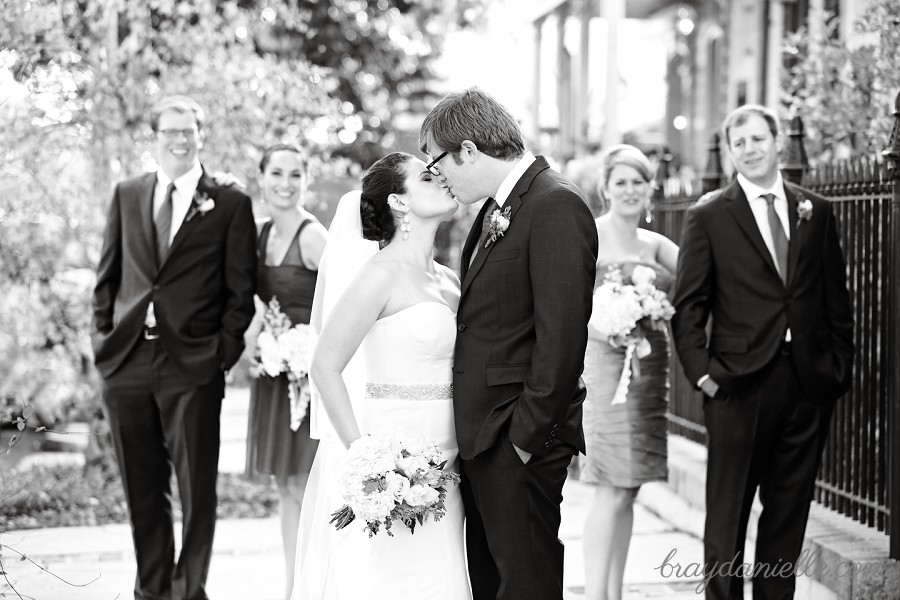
512	178
182	197
760	209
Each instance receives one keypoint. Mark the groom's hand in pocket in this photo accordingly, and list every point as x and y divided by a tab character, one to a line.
709	387
523	454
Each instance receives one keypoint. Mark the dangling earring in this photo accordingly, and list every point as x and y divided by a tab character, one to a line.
404	227
648	215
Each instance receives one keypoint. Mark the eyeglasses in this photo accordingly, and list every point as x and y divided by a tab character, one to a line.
174	134
432	166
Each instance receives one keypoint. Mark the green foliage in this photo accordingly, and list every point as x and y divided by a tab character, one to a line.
68	496
844	91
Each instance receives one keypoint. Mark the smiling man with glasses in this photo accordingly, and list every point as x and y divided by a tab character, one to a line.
173	297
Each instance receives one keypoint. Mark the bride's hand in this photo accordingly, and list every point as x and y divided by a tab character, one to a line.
223	179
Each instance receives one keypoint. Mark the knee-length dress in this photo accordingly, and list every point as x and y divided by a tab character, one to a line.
626	443
272	448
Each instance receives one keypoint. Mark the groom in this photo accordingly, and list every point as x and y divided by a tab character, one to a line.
174	295
527	275
763	259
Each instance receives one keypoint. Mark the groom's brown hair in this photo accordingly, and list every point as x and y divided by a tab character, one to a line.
473	115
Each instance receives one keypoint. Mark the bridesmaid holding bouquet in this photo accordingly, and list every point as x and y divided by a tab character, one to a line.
290	245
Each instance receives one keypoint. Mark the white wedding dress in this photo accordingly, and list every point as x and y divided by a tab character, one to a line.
409	359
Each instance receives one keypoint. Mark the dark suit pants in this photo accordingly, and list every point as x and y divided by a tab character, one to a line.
160	419
512	522
770	437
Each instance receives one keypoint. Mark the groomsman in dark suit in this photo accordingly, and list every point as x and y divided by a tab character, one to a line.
174	295
762	258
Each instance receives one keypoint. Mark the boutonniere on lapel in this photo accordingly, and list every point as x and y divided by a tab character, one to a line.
804	209
201	205
499	225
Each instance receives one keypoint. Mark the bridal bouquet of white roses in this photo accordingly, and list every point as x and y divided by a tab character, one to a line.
624	307
283	348
385	479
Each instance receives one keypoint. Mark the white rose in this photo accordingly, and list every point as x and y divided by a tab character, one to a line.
642	275
420	495
412	465
397	485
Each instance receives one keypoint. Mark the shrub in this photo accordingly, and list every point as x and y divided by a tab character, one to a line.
70	496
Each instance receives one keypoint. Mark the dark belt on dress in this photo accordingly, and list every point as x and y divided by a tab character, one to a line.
151	333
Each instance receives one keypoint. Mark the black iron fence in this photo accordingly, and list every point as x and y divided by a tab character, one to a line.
860	472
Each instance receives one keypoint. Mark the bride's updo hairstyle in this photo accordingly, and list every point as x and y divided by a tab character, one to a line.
385	177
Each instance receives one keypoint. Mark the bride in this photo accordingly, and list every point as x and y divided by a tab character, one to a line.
398	308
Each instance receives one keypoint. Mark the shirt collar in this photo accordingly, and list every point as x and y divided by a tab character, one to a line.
187	181
512	178
753	191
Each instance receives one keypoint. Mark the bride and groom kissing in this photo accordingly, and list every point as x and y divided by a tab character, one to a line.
487	365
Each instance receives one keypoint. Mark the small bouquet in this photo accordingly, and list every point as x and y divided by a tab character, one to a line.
623	309
283	348
386	479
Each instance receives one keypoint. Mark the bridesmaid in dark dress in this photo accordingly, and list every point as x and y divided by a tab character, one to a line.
626	443
289	249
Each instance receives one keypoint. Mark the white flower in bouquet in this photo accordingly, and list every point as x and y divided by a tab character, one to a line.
385	478
282	348
295	349
374	455
413	465
623	309
270	358
397	485
657	307
616	310
420	495
643	277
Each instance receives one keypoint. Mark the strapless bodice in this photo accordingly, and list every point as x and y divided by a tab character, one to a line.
412	346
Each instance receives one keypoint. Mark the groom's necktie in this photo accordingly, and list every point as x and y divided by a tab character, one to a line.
485	227
163	223
779	239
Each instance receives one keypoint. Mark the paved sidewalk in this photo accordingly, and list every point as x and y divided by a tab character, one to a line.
97	563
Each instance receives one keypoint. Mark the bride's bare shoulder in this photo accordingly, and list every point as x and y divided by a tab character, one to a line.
447	273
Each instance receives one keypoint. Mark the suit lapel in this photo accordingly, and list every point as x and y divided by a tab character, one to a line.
145	201
739	208
204	186
514	202
797	233
471	241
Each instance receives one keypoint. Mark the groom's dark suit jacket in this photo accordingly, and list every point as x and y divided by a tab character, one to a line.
727	272
522	320
202	293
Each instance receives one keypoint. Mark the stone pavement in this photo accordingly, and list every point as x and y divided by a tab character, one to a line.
97	563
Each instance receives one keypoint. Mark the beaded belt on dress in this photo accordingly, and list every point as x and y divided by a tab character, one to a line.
410	391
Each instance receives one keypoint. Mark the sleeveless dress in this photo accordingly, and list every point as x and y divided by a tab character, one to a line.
626	443
272	448
409	360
